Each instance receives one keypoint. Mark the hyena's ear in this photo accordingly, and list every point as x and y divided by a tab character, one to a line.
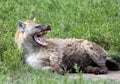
21	26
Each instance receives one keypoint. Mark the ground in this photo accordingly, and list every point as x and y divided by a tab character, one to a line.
114	75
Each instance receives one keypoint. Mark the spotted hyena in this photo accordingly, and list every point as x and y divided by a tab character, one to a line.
59	55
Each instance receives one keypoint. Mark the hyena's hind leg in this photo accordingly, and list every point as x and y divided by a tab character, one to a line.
97	55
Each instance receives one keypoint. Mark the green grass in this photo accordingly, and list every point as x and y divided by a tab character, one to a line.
95	20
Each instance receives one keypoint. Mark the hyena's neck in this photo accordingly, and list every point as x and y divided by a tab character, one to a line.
28	45
30	48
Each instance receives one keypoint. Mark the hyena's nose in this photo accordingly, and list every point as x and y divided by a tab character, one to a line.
48	28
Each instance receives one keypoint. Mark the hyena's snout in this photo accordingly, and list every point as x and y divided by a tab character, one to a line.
46	28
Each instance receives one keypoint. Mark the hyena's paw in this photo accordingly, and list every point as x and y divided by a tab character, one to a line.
55	69
58	69
47	68
97	71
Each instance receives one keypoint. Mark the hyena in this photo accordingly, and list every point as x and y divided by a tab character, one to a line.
60	55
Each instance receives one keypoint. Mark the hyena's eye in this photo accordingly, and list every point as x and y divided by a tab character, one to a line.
38	26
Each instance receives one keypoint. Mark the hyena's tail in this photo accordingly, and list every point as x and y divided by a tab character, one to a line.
112	64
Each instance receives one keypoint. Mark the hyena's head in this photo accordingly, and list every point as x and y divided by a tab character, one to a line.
31	32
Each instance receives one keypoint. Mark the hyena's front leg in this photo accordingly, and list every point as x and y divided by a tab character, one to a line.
55	61
38	63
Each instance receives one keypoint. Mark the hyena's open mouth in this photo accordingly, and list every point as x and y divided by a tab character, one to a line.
39	38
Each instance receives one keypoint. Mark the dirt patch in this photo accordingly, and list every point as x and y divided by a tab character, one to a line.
114	75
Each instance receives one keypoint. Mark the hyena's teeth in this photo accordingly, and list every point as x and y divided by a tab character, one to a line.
44	32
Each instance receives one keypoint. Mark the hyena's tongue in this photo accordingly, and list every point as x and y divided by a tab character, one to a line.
41	40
